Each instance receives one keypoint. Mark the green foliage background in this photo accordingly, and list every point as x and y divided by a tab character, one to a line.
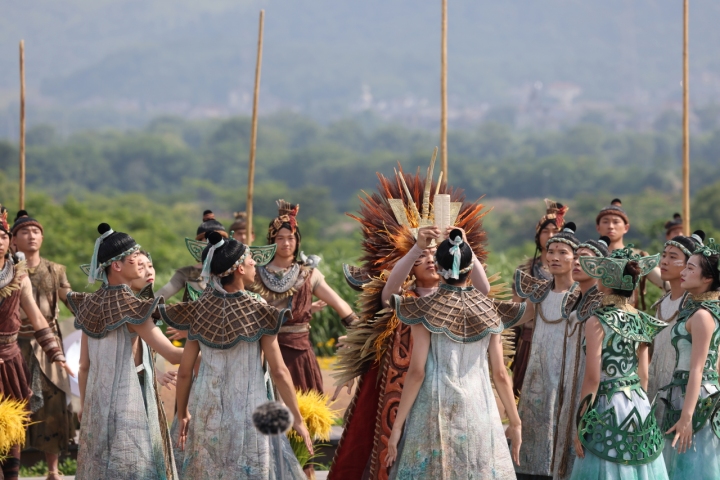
155	182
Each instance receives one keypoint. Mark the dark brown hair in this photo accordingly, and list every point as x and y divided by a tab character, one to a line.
709	269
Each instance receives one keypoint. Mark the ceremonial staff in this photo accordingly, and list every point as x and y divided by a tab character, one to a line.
253	131
686	121
22	125
443	93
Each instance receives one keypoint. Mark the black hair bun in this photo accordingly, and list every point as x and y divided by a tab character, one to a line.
677	216
617	202
606	240
455	233
700	234
570	226
214	238
208	215
103	228
21	213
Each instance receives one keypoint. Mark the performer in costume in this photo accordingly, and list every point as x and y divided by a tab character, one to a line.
691	418
121	435
674	227
287	282
453	427
234	329
549	302
188	278
550	224
674	257
51	428
239	228
618	435
613	222
377	349
574	370
16	294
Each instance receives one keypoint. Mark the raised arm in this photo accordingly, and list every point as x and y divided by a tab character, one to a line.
154	337
283	381
700	326
404	266
413	381
504	388
176	283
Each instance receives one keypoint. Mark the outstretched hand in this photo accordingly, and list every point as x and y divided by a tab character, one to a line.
349	385
683	434
175	334
67	368
301	429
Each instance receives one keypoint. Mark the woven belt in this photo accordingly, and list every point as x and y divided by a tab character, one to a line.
681	377
8	339
612	386
305	327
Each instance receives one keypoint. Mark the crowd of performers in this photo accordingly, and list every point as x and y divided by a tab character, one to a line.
605	390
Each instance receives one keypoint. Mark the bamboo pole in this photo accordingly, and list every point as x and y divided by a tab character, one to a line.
22	125
253	130
686	120
443	94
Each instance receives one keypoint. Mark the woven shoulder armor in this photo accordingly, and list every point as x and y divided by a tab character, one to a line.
109	308
356	277
531	288
462	313
591	301
222	320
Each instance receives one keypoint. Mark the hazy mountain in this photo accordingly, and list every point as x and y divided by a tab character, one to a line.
321	55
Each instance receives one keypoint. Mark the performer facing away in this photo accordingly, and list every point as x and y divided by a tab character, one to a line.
547	227
674	258
52	425
120	432
691	416
453	426
233	329
377	348
574	370
287	283
618	435
16	294
549	303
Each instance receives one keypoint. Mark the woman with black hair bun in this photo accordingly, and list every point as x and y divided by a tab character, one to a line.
548	305
453	427
691	418
618	435
673	260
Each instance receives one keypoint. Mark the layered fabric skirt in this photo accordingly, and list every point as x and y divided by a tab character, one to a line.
702	460
620	435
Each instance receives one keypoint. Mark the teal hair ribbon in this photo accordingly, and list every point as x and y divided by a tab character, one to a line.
96	273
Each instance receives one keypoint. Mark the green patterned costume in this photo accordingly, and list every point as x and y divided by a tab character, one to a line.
702	460
619	431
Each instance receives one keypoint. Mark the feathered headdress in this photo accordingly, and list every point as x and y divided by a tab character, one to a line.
390	218
287	214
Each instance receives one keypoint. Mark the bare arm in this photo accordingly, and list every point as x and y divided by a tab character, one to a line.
154	337
176	283
184	382
700	326
399	274
329	296
655	278
413	381
83	371
283	381
594	336
643	365
478	277
504	388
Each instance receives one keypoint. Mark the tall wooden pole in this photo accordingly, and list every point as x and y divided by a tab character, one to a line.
253	130
22	125
443	94
686	120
